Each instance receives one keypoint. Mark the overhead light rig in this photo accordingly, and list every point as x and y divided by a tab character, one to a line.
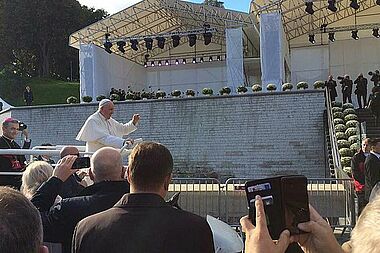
354	29
160	38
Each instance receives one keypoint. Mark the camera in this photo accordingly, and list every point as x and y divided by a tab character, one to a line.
340	77
285	200
373	73
22	126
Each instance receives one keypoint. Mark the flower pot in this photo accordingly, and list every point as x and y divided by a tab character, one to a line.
144	99
190	96
160	97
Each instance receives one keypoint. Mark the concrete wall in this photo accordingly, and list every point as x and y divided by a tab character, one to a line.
253	135
188	76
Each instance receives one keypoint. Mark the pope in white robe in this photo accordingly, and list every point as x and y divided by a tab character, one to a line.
101	130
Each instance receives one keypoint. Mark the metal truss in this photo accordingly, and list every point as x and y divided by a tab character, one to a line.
164	35
348	28
297	22
151	18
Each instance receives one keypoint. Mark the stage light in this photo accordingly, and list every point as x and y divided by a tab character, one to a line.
148	43
210	59
375	32
218	58
332	36
134	44
152	64
309	8
354	4
145	64
201	59
354	34
176	62
167	63
194	60
120	45
312	38
184	61
107	45
176	40
192	39
160	42
332	6
159	63
207	38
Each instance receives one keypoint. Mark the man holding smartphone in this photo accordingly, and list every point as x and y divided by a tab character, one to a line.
59	219
101	130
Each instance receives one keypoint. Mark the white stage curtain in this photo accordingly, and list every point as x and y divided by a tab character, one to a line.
235	68
101	71
271	49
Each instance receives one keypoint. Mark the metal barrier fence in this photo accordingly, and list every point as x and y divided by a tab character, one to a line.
332	198
198	195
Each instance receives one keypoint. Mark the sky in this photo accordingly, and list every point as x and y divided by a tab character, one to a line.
113	6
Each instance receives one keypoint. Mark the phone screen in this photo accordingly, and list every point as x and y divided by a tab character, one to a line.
81	162
270	191
295	202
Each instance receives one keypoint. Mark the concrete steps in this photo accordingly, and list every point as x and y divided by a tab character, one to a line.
365	115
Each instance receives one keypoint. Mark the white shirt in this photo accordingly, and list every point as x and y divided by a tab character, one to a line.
376	154
99	132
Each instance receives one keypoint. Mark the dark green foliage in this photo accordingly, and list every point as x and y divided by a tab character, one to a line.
100	97
35	36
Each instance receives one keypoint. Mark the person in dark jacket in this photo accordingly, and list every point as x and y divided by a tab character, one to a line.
372	167
331	86
12	163
347	89
361	90
28	96
375	78
60	219
374	104
142	221
357	168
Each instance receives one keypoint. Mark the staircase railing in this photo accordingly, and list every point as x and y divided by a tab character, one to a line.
339	173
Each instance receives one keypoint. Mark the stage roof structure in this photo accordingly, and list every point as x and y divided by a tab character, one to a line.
297	22
151	18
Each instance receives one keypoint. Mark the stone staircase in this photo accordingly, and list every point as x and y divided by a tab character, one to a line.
365	115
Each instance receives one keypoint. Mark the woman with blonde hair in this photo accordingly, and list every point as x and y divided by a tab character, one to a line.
35	174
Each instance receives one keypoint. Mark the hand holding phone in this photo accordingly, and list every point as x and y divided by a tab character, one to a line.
285	202
81	162
63	170
257	237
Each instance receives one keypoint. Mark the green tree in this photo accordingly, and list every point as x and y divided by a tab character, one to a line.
35	35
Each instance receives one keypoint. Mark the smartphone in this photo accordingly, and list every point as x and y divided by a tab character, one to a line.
285	201
81	162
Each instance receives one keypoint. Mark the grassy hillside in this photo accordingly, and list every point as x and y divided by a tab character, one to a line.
45	91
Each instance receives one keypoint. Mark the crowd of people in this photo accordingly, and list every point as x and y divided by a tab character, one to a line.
360	91
124	210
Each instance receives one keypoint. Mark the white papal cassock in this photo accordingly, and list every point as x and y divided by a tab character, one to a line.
99	132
